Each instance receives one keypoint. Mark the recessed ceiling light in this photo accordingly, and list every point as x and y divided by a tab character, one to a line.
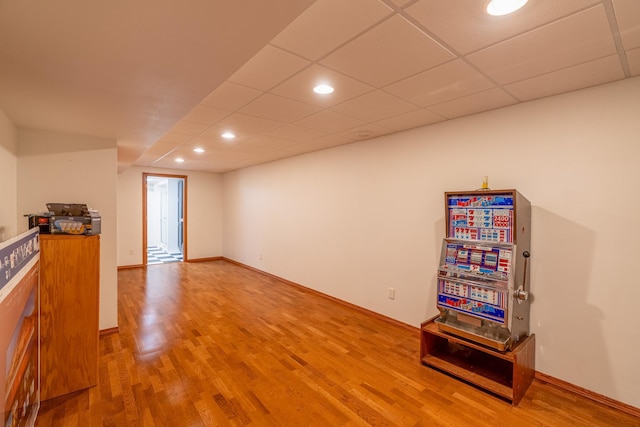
179	160
228	135
198	150
323	89
504	7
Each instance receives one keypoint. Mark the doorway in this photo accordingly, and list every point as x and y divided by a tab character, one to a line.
164	229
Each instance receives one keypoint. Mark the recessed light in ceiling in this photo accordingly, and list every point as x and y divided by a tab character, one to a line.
228	135
179	159
198	150
504	7
323	89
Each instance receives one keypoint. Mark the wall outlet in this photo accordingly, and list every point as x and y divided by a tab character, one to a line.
391	293
260	257
131	252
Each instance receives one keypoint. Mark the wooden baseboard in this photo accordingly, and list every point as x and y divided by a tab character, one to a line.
614	404
607	401
109	331
127	267
214	258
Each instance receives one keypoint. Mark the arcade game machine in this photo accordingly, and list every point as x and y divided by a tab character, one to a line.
481	334
483	279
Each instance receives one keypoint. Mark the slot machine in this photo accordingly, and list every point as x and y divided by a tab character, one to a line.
483	279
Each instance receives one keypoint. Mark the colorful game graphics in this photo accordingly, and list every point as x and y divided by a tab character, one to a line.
481	217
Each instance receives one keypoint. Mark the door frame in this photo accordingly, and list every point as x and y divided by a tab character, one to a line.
144	213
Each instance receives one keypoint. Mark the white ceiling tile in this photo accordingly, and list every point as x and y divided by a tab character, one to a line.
170	163
176	138
243	125
278	108
328	24
375	106
363	132
633	58
209	149
331	141
156	152
184	127
296	133
277	155
231	96
387	53
229	155
198	165
465	26
400	3
476	103
183	152
410	120
300	87
273	155
395	64
211	143
329	121
160	148
211	153
303	147
592	73
262	144
440	84
627	13
579	38
268	68
249	123
224	167
145	160
206	115
125	70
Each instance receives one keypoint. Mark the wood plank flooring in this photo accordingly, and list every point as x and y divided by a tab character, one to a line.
216	344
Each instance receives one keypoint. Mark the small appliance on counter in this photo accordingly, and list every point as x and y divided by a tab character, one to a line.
73	218
42	220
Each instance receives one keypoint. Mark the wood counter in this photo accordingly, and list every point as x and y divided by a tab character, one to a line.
70	290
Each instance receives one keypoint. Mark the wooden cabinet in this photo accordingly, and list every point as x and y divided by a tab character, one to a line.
505	374
69	287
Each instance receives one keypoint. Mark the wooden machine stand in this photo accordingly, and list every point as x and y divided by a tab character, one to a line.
505	374
69	287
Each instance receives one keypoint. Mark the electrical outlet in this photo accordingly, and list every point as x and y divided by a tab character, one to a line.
131	251
391	293
260	257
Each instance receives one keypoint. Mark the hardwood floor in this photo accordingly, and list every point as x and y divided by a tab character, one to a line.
216	344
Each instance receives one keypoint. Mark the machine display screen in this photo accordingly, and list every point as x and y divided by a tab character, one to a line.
495	261
481	217
477	301
472	278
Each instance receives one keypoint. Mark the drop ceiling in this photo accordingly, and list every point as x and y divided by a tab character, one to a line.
165	79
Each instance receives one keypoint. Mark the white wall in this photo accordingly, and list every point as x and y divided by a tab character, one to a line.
204	214
8	178
354	220
69	168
